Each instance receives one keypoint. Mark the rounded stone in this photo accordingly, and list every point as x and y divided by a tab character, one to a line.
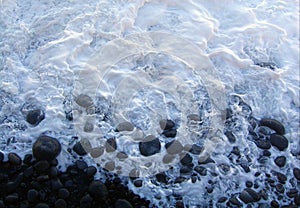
34	117
125	126
84	101
41	205
46	148
91	171
97	152
122	203
111	145
1	157
171	133
60	203
27	159
196	149
86	201
297	199
97	190
273	124
280	161
248	195
296	172
279	141
81	165
166	124
274	204
138	183
79	149
32	195
174	147
41	166
14	159
186	159
263	144
149	148
63	193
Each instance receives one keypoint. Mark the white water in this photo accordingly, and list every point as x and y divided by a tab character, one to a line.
49	53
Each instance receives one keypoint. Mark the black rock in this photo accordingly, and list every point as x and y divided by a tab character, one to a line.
97	190
122	203
274	204
245	167
14	159
2	205
195	149
138	183
86	201
161	177
27	159
111	145
41	166
296	172
53	172
233	200
63	193
42	205
79	149
1	157
32	195
230	136
280	161
56	184
91	171
279	141
248	195
34	117
201	170
273	124
205	160
149	148
279	188
171	133
249	184
28	171
292	193
186	160
174	147
186	170
11	199
266	153
263	144
297	199
166	124
281	177
60	203
46	148
81	165
222	199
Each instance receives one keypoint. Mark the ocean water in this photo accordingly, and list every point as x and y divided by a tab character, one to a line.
142	61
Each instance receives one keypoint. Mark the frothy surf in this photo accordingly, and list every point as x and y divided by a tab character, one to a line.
228	64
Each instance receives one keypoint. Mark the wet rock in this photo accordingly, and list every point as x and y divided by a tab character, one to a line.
245	167
41	166
125	126
27	159
97	190
138	183
56	184
274	204
186	160
205	160
222	199
281	177
168	158
11	199
42	205
96	152
273	124
166	124
1	157
80	164
201	170
32	195
46	148
297	199
279	188
248	195
79	149
234	201
171	133
91	171
263	144
280	161
122	156
86	201
111	145
292	193
249	184
63	193
122	203
34	117
279	141
53	172
2	205
296	172
149	148
110	165
60	203
14	159
231	138
84	101
174	147
266	153
186	170
161	177
196	149
194	117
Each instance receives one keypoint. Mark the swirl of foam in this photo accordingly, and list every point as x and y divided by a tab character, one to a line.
138	73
